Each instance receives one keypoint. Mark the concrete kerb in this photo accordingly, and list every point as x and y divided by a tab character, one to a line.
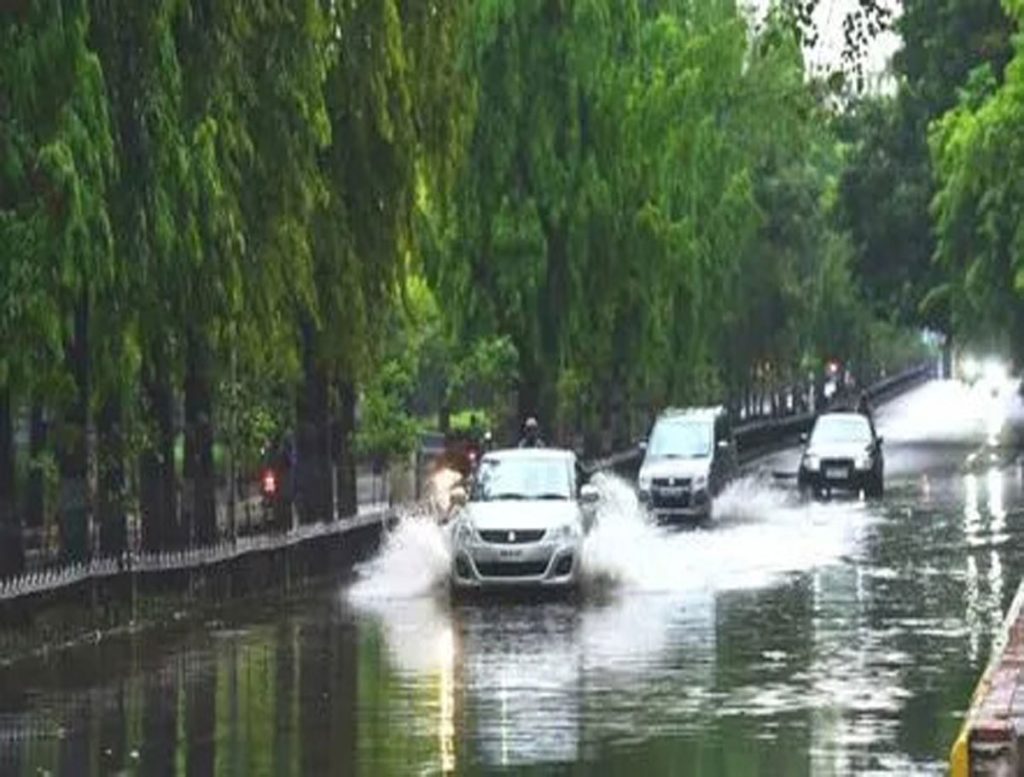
989	741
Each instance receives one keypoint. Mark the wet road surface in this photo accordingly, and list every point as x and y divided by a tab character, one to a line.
786	639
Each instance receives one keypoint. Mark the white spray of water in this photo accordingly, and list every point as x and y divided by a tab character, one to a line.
414	560
416	555
757	532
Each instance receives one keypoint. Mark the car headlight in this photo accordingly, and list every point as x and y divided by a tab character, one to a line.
700	482
566	531
812	463
863	462
644	482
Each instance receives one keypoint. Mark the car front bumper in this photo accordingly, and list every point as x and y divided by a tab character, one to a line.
696	505
546	564
854	480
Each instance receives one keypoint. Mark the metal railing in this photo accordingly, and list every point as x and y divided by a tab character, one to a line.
53	579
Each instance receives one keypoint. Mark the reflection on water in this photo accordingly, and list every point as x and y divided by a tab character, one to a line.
787	639
446	719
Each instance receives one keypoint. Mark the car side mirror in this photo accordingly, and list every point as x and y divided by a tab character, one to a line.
804	437
642	446
457	497
589	495
881	441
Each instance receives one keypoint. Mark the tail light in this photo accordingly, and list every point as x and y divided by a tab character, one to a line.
268	482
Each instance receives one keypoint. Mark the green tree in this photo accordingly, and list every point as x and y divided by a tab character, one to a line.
57	151
978	211
888	185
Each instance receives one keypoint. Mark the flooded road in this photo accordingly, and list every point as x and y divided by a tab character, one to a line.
785	639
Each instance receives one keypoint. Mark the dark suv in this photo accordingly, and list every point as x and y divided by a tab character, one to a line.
843	453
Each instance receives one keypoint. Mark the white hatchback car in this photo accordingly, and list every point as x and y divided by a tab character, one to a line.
522	522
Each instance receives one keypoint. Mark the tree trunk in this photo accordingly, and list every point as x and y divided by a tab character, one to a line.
35	498
110	499
554	303
158	498
315	492
12	549
73	449
199	511
344	450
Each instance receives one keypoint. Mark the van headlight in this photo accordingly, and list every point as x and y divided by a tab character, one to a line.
812	463
700	482
862	462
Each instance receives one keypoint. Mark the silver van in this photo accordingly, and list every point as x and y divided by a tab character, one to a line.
688	460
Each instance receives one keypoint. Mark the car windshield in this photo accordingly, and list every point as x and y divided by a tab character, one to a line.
681	439
523	478
849	429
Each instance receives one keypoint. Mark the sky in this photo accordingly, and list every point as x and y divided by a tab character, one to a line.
829	18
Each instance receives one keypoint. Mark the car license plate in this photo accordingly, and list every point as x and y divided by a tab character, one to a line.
507	553
836	473
672	492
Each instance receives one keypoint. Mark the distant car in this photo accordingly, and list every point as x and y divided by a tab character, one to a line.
688	460
522	522
843	453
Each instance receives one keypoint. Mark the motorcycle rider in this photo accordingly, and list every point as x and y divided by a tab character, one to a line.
531	435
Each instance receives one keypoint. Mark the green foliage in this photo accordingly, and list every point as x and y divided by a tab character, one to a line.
643	205
888	185
387	428
590	205
978	209
57	158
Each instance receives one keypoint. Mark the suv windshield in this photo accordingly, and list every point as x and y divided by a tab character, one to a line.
523	478
681	439
851	429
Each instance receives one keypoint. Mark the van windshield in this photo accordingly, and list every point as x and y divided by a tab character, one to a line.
681	439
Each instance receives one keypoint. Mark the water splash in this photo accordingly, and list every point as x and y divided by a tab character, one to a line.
439	489
415	556
413	561
758	531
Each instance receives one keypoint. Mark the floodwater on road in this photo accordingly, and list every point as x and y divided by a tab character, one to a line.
786	638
